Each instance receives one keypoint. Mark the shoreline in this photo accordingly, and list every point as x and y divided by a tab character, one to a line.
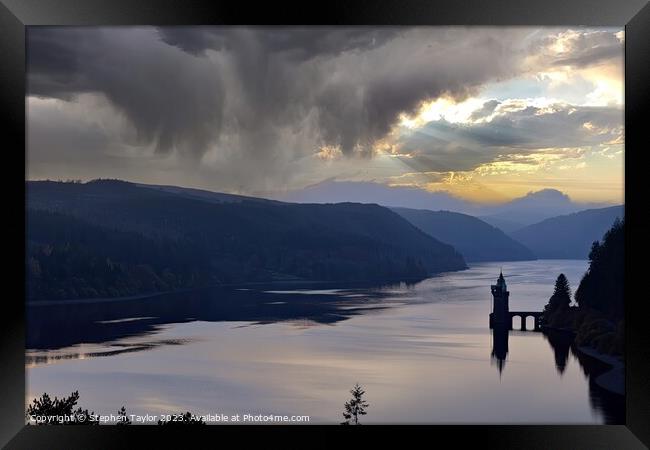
612	380
143	296
95	300
91	300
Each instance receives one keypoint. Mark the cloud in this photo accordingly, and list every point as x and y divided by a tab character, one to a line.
173	101
65	142
52	140
296	44
259	98
578	48
253	108
486	110
514	130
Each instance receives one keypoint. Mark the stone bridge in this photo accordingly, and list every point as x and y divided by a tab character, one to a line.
524	315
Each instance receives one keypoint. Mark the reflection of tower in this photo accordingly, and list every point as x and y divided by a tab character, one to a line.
500	315
500	345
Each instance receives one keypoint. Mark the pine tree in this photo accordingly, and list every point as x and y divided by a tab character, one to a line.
355	407
60	410
561	298
123	418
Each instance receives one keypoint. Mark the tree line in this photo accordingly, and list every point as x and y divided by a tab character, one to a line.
110	239
64	411
598	313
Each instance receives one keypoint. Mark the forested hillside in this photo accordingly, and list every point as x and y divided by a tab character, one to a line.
109	238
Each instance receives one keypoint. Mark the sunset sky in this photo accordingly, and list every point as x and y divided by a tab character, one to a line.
486	114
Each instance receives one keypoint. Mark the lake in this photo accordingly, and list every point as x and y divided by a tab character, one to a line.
423	352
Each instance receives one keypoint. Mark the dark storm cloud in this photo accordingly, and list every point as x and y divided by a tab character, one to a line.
354	81
444	146
172	104
245	90
296	43
247	105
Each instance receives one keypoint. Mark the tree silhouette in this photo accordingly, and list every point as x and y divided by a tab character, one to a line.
561	297
355	407
60	410
601	288
123	418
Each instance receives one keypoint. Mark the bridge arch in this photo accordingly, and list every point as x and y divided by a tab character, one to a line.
525	320
530	322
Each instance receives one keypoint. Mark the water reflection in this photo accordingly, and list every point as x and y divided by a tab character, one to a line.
499	346
560	342
610	405
35	358
424	352
55	326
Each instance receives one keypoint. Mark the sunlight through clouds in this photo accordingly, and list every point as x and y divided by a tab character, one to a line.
264	110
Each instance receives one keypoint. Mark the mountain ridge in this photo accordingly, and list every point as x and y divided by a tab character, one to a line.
531	208
236	241
475	239
568	236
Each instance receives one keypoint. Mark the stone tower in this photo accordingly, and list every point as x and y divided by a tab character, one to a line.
500	315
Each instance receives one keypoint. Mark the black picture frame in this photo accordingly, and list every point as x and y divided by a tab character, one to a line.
634	15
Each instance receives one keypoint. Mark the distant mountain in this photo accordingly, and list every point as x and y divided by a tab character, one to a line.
568	236
473	238
532	208
112	238
502	224
331	191
509	216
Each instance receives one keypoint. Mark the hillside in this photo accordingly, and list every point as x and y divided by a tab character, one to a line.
569	236
505	225
473	238
233	241
508	215
201	194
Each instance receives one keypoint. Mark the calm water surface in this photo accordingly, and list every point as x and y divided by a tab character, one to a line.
423	352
